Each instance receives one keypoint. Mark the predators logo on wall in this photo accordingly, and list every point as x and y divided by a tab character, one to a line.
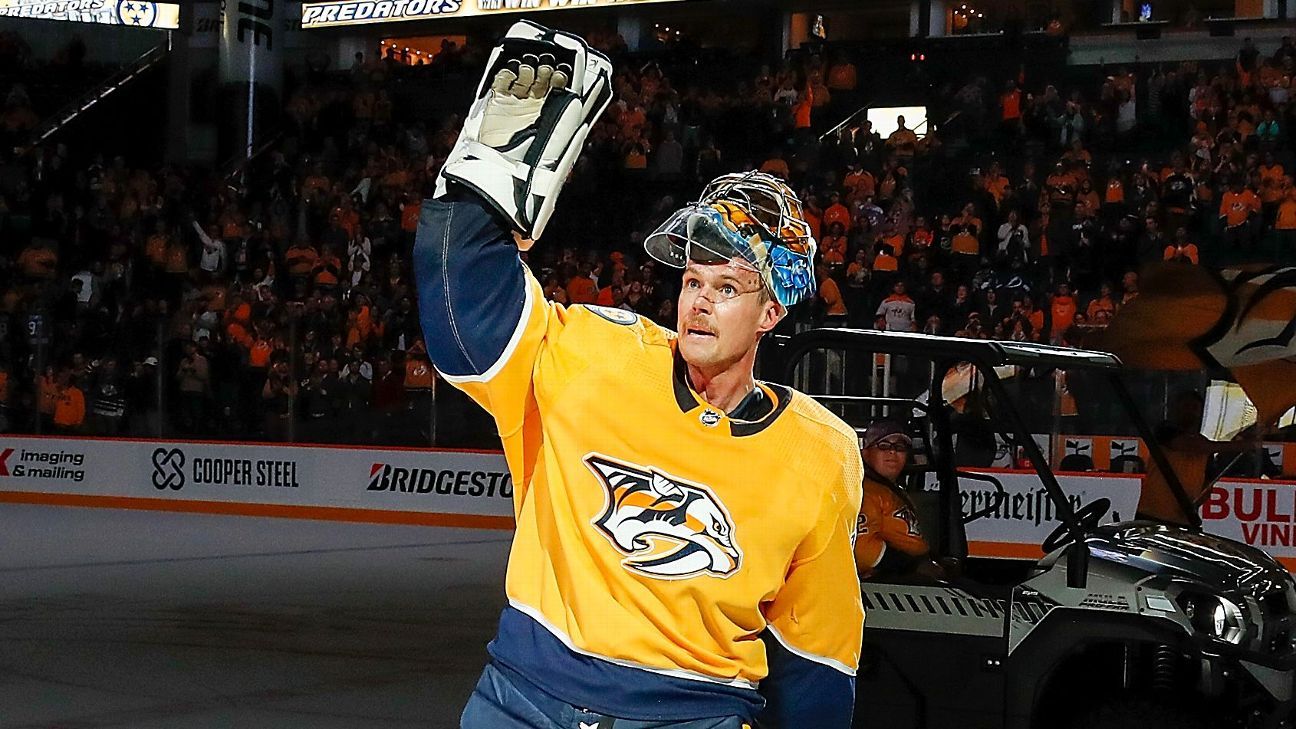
667	528
1240	322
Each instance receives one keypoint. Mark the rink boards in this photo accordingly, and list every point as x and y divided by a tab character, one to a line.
474	489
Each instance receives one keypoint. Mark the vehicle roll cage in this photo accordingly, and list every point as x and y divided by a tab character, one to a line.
985	355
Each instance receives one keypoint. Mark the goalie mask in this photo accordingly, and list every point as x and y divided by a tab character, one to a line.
751	219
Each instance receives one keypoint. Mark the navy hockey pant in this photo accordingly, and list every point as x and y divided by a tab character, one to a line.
500	703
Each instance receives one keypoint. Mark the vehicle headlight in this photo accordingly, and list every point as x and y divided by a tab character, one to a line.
1218	617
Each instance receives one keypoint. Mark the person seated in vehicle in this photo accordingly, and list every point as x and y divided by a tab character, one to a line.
1189	453
889	539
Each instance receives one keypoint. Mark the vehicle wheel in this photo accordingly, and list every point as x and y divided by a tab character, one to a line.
1134	712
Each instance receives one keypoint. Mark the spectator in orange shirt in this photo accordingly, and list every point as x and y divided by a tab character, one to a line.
1062	311
1010	117
300	259
582	289
776	165
859	183
69	405
836	213
327	270
1181	250
1272	176
39	260
830	295
833	247
1103	307
889	541
997	184
1239	207
965	245
885	261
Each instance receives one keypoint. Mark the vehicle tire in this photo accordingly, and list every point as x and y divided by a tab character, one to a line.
1136	712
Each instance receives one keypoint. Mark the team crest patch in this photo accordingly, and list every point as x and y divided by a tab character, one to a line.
910	519
666	528
616	316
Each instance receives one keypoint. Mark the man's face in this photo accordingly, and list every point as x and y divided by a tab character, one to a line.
722	314
888	456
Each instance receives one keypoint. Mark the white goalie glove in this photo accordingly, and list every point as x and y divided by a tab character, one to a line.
540	95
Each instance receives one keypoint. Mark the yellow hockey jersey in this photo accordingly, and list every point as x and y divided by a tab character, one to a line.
655	534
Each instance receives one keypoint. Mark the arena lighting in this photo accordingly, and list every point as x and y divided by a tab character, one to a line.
335	13
884	119
165	16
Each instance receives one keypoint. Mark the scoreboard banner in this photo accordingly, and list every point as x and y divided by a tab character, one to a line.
358	12
165	16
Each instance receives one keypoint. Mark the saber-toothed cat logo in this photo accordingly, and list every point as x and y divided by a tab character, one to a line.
667	528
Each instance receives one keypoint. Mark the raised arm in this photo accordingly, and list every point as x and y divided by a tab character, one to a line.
484	317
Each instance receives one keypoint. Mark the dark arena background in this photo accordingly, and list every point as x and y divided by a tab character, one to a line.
235	492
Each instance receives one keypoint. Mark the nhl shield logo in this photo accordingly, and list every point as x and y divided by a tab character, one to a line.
709	417
666	528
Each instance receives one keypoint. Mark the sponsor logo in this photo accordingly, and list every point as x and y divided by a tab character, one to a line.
168	469
369	11
1265	515
1032	507
135	13
254	21
142	14
58	465
666	527
448	482
324	14
172	469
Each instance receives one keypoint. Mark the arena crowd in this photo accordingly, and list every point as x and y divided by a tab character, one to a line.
278	302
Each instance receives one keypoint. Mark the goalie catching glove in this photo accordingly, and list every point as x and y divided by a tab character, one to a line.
535	105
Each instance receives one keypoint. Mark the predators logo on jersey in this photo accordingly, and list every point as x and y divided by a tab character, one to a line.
667	528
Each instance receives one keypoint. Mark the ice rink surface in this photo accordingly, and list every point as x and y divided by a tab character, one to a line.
149	620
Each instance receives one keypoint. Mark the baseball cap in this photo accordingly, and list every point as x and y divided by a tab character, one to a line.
883	429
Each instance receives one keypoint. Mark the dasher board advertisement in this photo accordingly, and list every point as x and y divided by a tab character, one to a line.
165	16
357	12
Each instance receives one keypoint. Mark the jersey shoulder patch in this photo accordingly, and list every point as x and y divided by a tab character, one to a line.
616	316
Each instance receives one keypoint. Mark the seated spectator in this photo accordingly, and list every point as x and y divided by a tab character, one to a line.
1102	307
1181	250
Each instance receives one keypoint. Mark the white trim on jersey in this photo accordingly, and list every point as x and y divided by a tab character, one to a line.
673	673
881	554
822	660
527	304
